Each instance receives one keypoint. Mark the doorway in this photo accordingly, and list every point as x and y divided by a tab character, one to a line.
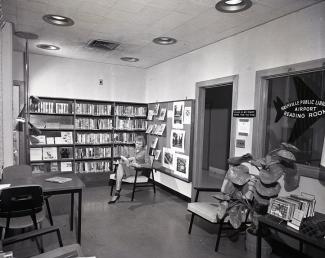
214	134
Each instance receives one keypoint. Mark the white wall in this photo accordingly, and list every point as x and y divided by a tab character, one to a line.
298	37
70	78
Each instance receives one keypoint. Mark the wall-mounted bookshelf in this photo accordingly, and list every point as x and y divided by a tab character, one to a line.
83	136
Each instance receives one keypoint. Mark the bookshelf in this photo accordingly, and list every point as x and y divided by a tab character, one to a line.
83	136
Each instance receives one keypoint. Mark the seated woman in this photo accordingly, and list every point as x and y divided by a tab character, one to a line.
126	167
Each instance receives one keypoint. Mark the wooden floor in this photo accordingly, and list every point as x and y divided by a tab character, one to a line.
151	226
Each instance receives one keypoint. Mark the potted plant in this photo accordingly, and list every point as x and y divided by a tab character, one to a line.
250	183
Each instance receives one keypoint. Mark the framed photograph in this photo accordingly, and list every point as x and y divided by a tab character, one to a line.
178	114
162	114
156	109
168	158
177	140
181	165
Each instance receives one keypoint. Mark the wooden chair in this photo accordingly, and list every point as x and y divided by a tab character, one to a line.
147	179
24	171
208	211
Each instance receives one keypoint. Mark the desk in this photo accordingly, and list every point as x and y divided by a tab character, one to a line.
49	188
269	221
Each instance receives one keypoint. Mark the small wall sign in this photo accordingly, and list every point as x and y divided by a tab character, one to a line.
244	113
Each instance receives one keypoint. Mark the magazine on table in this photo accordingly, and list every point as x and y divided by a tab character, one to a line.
58	179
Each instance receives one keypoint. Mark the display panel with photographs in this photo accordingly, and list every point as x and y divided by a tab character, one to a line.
174	129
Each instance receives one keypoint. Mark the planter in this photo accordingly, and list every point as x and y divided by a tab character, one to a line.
250	244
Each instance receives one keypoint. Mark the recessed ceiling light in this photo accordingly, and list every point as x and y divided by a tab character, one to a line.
47	47
233	6
26	35
58	20
129	59
164	41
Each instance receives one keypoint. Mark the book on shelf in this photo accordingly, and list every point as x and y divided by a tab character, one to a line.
50	140
92	166
149	129
93	138
150	115
162	114
65	152
154	143
66	166
62	108
65	138
93	152
38	168
58	179
160	129
94	123
50	153
36	154
93	109
40	139
54	167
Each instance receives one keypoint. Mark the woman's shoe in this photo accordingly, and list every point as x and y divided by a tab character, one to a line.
114	198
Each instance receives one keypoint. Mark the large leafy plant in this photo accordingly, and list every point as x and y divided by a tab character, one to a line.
250	183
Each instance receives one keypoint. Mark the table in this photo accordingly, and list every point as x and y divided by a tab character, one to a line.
68	251
72	187
269	221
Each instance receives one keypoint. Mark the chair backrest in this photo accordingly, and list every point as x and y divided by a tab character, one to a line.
17	171
20	201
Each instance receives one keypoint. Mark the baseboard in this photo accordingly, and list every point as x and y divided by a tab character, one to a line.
172	191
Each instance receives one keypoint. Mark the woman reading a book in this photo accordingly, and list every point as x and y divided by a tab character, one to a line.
127	166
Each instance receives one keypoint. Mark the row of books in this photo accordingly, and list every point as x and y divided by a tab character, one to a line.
156	129
130	111
293	208
131	124
51	153
93	109
124	137
93	152
40	168
92	166
65	138
93	123
93	138
50	108
126	151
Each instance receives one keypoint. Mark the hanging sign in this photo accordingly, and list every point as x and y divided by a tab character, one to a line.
244	113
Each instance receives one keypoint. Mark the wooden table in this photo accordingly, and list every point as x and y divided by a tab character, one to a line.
269	221
72	187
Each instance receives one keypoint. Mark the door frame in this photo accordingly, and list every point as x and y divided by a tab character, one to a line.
200	93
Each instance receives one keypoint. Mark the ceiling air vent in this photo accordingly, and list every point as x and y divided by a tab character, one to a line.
103	44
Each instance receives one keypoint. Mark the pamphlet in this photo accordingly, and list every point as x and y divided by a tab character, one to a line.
58	179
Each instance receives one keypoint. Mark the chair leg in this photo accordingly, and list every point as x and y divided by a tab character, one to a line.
49	213
191	223
112	183
219	235
153	181
134	184
59	237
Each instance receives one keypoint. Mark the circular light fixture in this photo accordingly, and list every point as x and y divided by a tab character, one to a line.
164	41
129	59
233	6
26	35
47	47
58	20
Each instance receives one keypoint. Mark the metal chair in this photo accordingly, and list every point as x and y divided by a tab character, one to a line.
24	171
147	179
208	211
21	207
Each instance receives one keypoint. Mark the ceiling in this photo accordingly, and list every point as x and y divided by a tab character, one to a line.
135	23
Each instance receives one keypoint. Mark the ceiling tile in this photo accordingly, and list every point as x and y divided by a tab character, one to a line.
129	6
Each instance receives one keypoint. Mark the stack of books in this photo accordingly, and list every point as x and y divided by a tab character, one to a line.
293	208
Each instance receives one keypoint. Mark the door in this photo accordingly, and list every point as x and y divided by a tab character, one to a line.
214	131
